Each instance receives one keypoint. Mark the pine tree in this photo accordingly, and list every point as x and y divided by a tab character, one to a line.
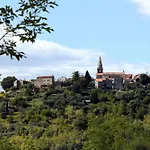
75	76
88	78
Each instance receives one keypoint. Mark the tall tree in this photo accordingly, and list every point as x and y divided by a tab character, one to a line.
25	22
88	78
75	76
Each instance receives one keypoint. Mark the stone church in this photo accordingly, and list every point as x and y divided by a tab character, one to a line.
110	80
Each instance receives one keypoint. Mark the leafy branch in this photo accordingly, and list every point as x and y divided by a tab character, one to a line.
26	22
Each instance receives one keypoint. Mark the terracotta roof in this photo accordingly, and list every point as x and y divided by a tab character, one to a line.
45	77
99	80
122	74
111	73
102	79
128	76
136	77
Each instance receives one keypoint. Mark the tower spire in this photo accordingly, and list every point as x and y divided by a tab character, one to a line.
100	65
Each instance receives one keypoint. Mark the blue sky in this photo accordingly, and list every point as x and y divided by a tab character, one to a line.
114	27
119	30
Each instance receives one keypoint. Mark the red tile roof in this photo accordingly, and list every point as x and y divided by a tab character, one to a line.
122	74
99	80
102	79
127	76
111	73
45	77
136	77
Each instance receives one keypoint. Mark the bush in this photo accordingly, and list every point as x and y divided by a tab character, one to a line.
43	124
141	113
5	145
146	100
28	98
81	123
20	102
21	130
10	119
37	135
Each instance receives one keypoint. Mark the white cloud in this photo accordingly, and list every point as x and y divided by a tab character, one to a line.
143	6
51	58
47	58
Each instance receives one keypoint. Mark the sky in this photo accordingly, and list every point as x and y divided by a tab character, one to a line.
117	30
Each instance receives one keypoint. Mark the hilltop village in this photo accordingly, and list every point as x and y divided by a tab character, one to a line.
112	80
103	80
109	112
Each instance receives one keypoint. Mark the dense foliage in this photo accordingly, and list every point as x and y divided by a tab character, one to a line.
8	82
63	118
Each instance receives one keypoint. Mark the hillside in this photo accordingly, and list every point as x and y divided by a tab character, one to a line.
75	117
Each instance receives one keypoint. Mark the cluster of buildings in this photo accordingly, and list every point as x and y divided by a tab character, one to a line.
108	80
39	82
112	80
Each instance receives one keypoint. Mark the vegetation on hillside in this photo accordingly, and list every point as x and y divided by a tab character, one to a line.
62	118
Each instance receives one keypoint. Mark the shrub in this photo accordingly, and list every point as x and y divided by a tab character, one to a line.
19	101
81	123
10	119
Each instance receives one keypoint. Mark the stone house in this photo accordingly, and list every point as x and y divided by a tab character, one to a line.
110	80
19	83
44	81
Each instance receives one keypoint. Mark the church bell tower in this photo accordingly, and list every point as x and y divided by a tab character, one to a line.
100	66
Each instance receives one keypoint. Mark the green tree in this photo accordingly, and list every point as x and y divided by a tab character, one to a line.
25	22
19	102
29	89
94	97
75	76
144	79
113	132
146	100
5	145
88	78
8	82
